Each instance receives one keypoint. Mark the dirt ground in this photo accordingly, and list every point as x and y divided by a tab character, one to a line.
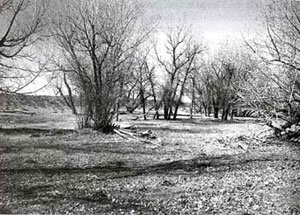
198	166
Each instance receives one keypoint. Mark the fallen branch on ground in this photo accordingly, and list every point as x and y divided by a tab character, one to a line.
153	143
120	134
264	132
289	130
127	133
140	136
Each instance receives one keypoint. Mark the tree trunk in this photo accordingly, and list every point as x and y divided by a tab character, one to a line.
143	102
232	114
226	111
193	98
103	116
225	114
216	112
216	109
204	108
175	112
156	115
170	112
205	111
117	111
166	111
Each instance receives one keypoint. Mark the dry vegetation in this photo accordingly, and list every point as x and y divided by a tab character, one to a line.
102	58
203	166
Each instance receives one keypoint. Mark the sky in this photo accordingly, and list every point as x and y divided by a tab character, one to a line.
213	21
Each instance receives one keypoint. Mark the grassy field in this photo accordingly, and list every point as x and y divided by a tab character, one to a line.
199	166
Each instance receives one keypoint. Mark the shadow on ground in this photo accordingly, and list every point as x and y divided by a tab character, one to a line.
121	170
35	131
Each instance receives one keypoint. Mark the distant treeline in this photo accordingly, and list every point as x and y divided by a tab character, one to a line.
30	102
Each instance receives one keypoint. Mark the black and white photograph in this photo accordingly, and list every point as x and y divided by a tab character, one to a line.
158	107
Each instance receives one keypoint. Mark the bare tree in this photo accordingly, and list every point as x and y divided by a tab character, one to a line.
98	43
141	86
154	89
279	56
21	24
182	53
218	85
145	82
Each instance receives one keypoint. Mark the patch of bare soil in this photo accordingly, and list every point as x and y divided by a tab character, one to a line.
202	167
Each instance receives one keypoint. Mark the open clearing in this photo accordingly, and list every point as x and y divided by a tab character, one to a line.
202	167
